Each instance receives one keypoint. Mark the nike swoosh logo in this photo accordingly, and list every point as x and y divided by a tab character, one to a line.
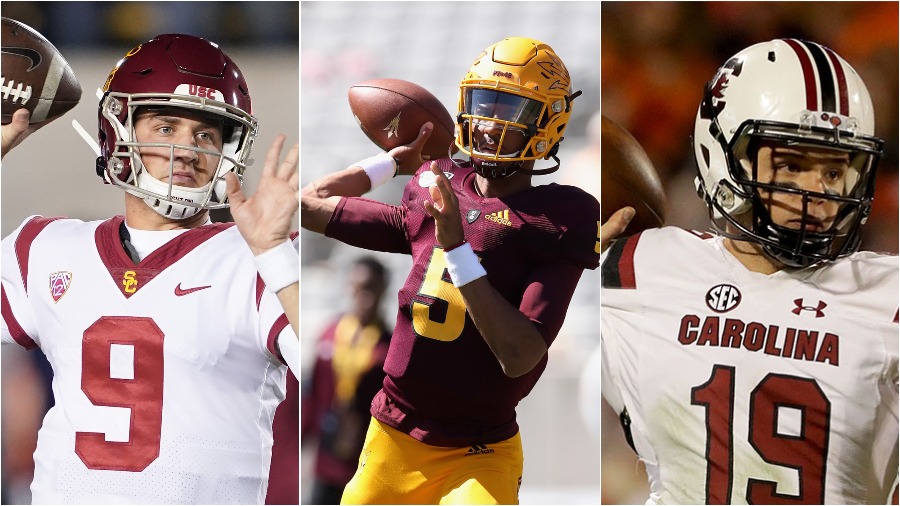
31	54
179	292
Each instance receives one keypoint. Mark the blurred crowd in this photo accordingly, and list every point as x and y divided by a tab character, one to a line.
656	59
232	23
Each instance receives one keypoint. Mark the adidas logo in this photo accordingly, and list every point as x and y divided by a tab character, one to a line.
501	217
478	450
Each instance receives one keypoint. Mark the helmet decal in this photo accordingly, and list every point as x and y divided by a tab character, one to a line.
714	98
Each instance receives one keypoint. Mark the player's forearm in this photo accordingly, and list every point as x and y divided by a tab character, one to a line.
514	339
319	198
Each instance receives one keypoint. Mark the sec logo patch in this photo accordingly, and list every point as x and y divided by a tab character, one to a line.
723	298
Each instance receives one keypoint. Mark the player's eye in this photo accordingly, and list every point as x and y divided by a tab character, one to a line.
166	130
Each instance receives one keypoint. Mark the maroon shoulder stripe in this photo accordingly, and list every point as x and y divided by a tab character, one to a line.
15	330
618	267
26	237
809	77
626	263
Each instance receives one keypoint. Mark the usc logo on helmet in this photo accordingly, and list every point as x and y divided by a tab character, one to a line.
129	281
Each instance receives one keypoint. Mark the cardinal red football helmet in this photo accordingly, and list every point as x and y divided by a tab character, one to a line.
174	71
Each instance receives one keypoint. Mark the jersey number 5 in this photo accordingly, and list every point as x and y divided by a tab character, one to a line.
444	316
143	393
806	452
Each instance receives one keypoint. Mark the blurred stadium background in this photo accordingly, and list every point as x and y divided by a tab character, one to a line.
433	44
656	58
52	173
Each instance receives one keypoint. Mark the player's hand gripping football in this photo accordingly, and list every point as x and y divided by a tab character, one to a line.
409	157
614	226
17	130
264	219
444	208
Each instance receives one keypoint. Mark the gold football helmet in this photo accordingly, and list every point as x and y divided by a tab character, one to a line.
514	104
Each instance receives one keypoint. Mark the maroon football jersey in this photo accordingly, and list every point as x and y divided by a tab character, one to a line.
444	386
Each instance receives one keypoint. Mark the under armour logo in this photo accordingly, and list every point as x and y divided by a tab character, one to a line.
818	309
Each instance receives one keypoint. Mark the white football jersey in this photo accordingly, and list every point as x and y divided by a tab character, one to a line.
165	373
749	388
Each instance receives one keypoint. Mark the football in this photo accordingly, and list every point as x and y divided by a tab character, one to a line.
34	75
628	178
391	112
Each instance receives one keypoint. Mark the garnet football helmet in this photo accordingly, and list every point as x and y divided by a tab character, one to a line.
521	90
793	93
174	71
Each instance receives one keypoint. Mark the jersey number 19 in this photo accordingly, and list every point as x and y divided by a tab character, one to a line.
806	452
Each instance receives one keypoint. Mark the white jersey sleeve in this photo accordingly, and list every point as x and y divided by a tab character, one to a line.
165	374
742	387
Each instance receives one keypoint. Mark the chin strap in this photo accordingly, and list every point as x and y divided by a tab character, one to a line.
86	136
80	130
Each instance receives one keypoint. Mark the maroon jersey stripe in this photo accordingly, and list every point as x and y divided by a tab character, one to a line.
809	77
26	237
844	97
276	329
117	262
15	330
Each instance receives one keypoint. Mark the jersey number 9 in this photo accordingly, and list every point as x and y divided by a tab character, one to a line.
143	393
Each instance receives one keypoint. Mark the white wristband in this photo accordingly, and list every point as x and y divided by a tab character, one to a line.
463	265
278	267
380	168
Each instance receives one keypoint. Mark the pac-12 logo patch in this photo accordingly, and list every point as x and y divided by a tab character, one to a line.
723	298
59	284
